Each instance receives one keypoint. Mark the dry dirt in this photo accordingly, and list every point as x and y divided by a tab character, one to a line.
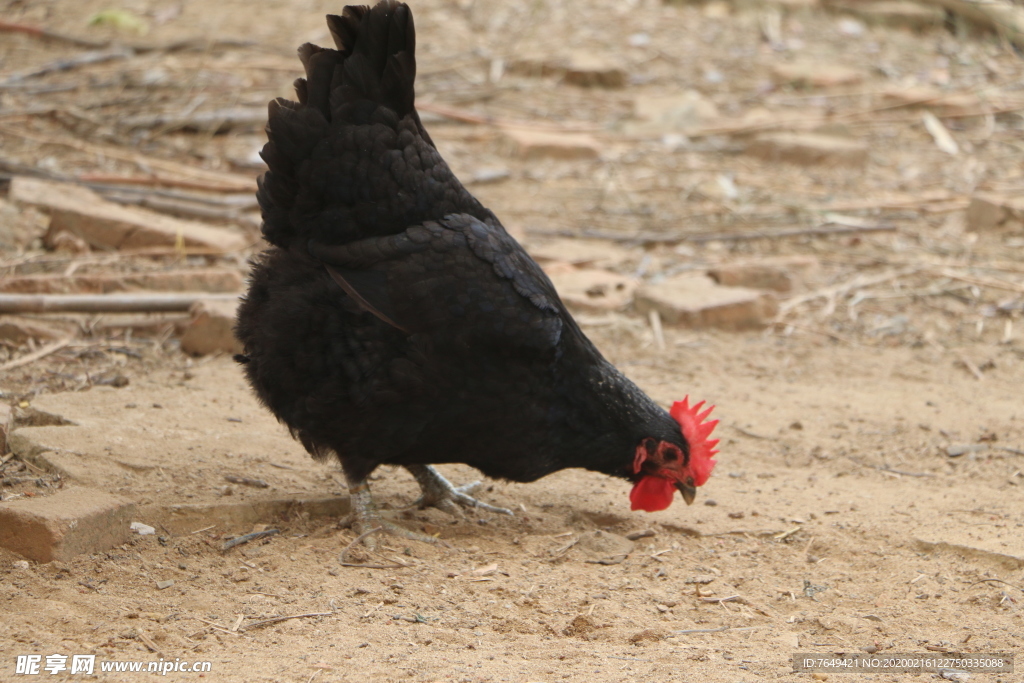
869	491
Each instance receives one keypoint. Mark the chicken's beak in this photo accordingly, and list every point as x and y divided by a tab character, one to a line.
688	490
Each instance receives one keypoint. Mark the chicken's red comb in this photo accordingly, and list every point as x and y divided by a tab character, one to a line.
696	432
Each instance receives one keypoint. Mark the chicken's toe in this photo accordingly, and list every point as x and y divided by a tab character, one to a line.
367	522
440	493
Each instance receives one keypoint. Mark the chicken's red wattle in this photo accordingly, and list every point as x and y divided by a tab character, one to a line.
651	494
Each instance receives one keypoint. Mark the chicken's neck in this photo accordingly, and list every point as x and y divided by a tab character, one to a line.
610	417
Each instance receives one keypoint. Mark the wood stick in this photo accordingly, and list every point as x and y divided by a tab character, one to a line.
902	472
983	281
93	57
969	364
148	642
35	355
657	238
176	46
36	32
717	630
219	120
217	626
344	551
156	302
274	620
659	333
835	290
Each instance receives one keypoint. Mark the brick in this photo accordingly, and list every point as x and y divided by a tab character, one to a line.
666	113
816	75
777	274
580	67
531	144
19	226
212	329
71	522
591	289
990	211
6	425
697	301
594	70
580	252
809	149
218	280
106	225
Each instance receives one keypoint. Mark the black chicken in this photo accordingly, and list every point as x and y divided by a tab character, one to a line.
394	321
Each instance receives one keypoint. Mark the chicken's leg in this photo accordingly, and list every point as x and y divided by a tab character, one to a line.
365	517
440	493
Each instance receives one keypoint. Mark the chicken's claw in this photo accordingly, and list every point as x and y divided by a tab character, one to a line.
367	522
440	493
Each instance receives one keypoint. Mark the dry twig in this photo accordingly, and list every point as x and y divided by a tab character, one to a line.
1006	18
214	181
36	355
154	302
275	620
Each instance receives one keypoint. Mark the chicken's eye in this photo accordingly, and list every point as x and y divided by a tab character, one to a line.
669	453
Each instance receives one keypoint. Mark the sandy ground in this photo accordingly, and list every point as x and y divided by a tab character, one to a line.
869	492
826	544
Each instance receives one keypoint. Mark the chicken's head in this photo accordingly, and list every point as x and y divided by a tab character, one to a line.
663	467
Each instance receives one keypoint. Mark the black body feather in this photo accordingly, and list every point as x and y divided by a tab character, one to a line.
393	320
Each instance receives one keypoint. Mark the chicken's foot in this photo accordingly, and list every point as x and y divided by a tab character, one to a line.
366	520
440	493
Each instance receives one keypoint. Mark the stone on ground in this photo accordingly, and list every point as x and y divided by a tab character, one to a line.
211	329
591	290
533	144
777	274
70	522
658	114
107	225
816	75
991	211
807	149
697	301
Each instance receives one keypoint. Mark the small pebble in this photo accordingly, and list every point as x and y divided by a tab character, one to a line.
956	450
164	584
142	529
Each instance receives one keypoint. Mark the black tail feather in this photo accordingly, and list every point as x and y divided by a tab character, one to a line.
342	165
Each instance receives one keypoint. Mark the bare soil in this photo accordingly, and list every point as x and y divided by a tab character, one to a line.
869	495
